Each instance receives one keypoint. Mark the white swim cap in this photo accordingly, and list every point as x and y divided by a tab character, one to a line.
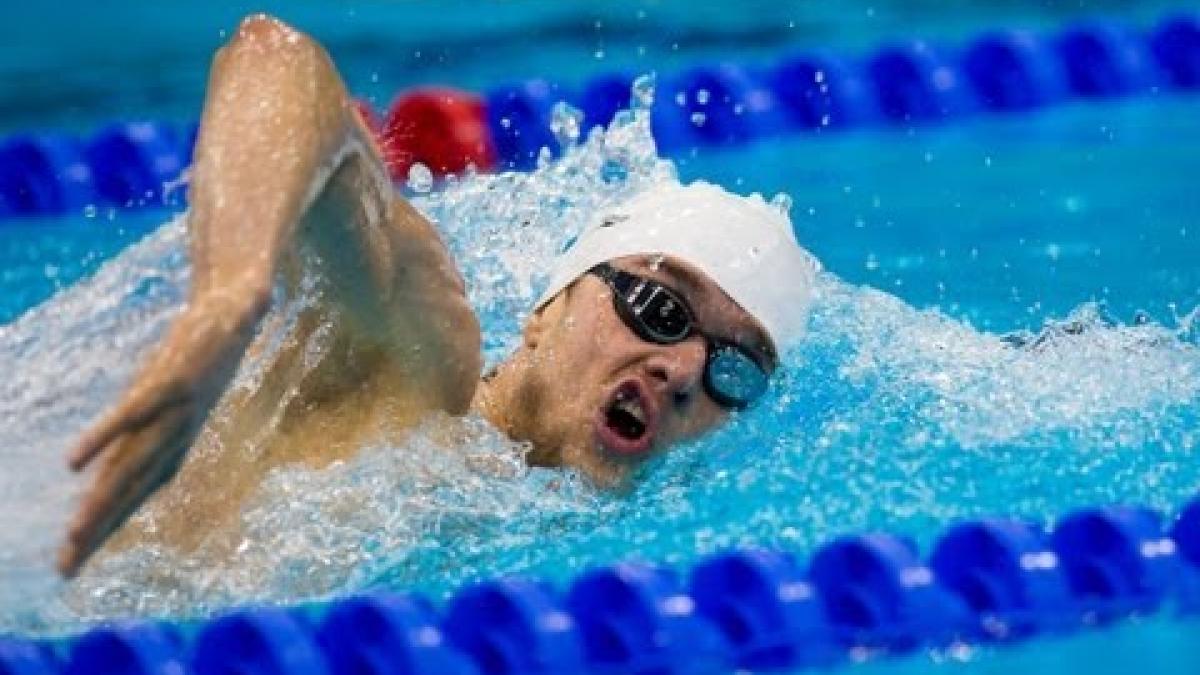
745	245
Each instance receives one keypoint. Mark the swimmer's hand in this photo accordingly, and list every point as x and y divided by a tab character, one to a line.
141	442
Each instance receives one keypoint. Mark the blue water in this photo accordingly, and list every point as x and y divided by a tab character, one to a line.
904	410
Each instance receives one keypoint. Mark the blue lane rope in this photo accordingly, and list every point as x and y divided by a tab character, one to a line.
903	83
985	581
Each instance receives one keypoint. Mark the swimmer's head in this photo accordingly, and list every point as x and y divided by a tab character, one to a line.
595	387
746	246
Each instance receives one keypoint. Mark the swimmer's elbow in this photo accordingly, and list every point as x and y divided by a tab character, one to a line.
265	36
263	28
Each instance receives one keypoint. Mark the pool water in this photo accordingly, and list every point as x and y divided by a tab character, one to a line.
1006	325
128	60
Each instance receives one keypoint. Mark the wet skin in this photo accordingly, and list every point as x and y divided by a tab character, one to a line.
288	180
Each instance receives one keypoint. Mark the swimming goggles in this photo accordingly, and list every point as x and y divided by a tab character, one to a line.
733	377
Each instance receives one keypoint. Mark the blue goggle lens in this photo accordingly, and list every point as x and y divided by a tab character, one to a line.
733	378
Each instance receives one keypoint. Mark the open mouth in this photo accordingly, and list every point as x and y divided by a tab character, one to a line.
626	424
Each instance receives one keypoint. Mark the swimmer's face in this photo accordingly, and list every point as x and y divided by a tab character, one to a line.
607	399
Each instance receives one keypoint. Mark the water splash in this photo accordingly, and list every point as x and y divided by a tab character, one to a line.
504	227
886	417
565	122
420	178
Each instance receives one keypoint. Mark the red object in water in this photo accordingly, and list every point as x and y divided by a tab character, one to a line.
444	129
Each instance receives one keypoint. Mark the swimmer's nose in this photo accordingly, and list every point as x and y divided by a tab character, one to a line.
678	370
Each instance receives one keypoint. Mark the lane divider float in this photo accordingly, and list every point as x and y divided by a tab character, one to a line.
505	128
993	580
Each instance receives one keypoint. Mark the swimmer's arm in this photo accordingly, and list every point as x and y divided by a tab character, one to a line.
282	163
290	166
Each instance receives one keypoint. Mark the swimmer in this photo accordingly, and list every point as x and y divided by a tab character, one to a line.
667	314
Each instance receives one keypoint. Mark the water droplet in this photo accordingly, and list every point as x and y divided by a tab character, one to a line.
703	96
698	119
565	121
89	211
782	202
420	178
680	99
643	92
819	76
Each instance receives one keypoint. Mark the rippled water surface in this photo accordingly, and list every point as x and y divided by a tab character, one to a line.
900	410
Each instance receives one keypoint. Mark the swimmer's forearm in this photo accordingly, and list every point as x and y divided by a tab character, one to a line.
276	124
